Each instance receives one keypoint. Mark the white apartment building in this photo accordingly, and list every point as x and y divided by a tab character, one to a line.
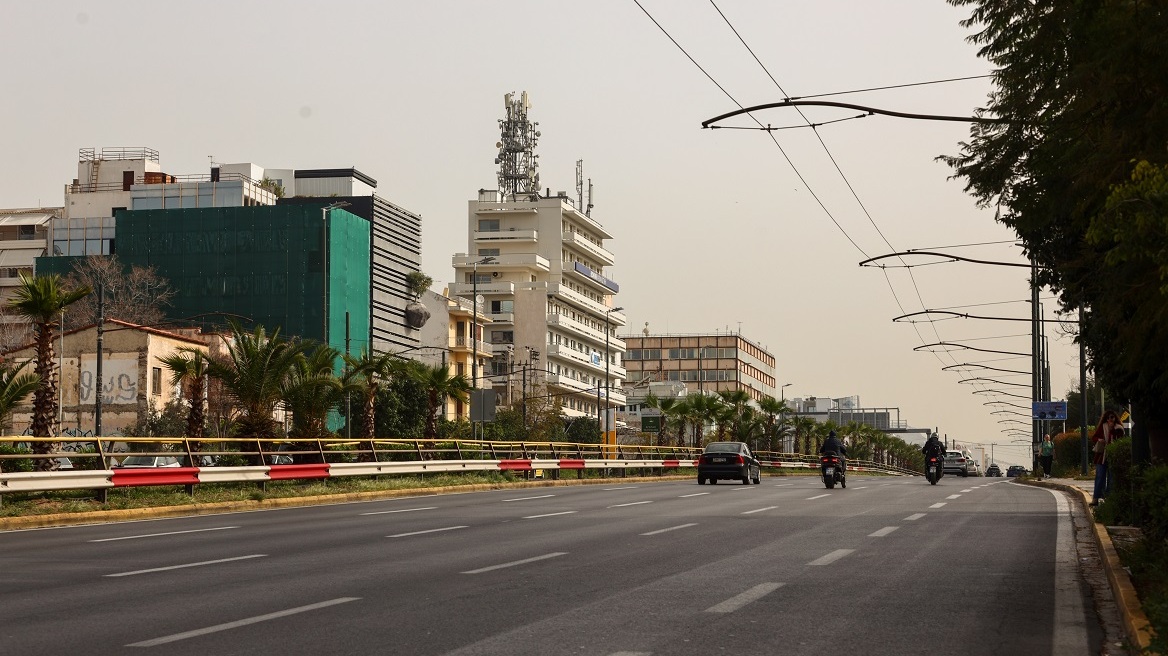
540	268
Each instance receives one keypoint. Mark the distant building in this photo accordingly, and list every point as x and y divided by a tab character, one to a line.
133	376
540	261
23	238
112	180
705	363
446	341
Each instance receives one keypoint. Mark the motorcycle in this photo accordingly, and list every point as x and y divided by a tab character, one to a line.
934	470
832	469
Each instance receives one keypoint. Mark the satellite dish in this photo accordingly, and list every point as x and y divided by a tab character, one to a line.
498	144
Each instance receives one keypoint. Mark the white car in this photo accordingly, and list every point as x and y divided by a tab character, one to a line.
137	462
961	463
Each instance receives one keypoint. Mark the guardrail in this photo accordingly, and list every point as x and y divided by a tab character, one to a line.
95	464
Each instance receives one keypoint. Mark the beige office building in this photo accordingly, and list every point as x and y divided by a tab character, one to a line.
704	363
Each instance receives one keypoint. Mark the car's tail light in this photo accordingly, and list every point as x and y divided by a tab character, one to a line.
741	460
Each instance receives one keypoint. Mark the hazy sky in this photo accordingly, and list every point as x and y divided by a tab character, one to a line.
714	229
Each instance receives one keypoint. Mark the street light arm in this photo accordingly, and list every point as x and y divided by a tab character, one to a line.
830	103
951	258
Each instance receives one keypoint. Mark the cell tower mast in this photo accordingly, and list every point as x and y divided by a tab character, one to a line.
518	168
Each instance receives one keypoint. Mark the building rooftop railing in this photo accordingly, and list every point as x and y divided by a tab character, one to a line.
156	179
122	152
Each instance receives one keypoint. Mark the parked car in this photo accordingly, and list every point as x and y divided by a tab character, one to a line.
728	460
960	462
1015	470
993	470
148	461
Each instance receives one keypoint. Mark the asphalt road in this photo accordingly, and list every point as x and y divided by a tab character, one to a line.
886	566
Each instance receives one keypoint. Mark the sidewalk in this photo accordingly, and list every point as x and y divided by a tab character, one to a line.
1135	621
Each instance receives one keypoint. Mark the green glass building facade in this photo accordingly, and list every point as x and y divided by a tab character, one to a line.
301	268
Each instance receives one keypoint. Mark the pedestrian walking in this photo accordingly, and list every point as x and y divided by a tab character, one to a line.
1046	455
1108	430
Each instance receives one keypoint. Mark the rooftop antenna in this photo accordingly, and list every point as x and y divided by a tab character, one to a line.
212	158
588	210
645	330
518	168
580	183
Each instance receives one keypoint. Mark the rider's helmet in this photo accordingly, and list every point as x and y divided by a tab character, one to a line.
830	434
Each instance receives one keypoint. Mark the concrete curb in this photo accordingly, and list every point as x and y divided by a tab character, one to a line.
1135	622
195	509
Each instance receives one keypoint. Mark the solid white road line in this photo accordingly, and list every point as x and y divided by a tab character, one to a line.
1070	615
630	487
632	503
914	517
698	494
784	484
492	568
738	601
433	530
666	530
566	512
953	496
238	623
631	653
200	564
818	497
831	557
937	505
388	512
751	512
542	496
882	532
155	535
861	488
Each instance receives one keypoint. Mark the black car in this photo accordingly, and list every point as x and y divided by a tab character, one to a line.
993	470
1015	470
728	460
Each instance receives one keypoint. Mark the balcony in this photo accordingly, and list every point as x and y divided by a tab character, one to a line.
569	295
575	240
466	345
467	289
501	317
516	235
579	329
615	372
463	261
556	380
592	279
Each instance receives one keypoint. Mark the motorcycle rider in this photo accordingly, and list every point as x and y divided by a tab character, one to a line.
835	446
934	447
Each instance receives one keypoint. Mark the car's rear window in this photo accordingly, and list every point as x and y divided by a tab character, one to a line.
724	447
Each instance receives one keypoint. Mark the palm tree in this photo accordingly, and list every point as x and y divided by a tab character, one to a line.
188	369
665	407
772	409
371	371
40	300
254	373
14	388
311	390
703	410
803	427
440	386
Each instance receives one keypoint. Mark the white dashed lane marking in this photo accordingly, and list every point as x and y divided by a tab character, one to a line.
915	517
882	532
738	601
831	557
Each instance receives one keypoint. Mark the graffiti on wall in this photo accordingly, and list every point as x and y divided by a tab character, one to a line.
119	381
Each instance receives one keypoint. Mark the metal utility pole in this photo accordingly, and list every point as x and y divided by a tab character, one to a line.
474	342
99	385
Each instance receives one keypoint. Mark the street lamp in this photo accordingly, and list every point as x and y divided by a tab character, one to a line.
474	340
607	388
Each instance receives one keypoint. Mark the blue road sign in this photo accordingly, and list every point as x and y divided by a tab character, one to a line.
1050	410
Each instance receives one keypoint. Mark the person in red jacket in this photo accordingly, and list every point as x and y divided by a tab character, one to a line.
1108	430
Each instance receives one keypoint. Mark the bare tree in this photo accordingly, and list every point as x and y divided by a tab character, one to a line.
138	296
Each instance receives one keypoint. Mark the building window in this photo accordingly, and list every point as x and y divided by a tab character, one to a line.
483	252
156	381
488	225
